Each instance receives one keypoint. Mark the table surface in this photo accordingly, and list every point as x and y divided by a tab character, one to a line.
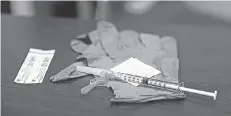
204	64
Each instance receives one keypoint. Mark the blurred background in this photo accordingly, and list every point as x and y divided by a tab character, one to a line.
196	12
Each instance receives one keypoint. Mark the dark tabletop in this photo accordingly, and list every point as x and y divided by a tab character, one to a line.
205	64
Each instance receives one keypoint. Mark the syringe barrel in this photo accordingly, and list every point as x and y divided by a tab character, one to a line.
172	86
163	84
148	81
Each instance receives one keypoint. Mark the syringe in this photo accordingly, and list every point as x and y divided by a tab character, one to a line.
142	80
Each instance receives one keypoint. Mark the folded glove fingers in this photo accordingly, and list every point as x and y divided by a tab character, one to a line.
124	100
146	98
67	73
92	85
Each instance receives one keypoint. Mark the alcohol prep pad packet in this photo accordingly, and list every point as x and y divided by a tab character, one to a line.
34	66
